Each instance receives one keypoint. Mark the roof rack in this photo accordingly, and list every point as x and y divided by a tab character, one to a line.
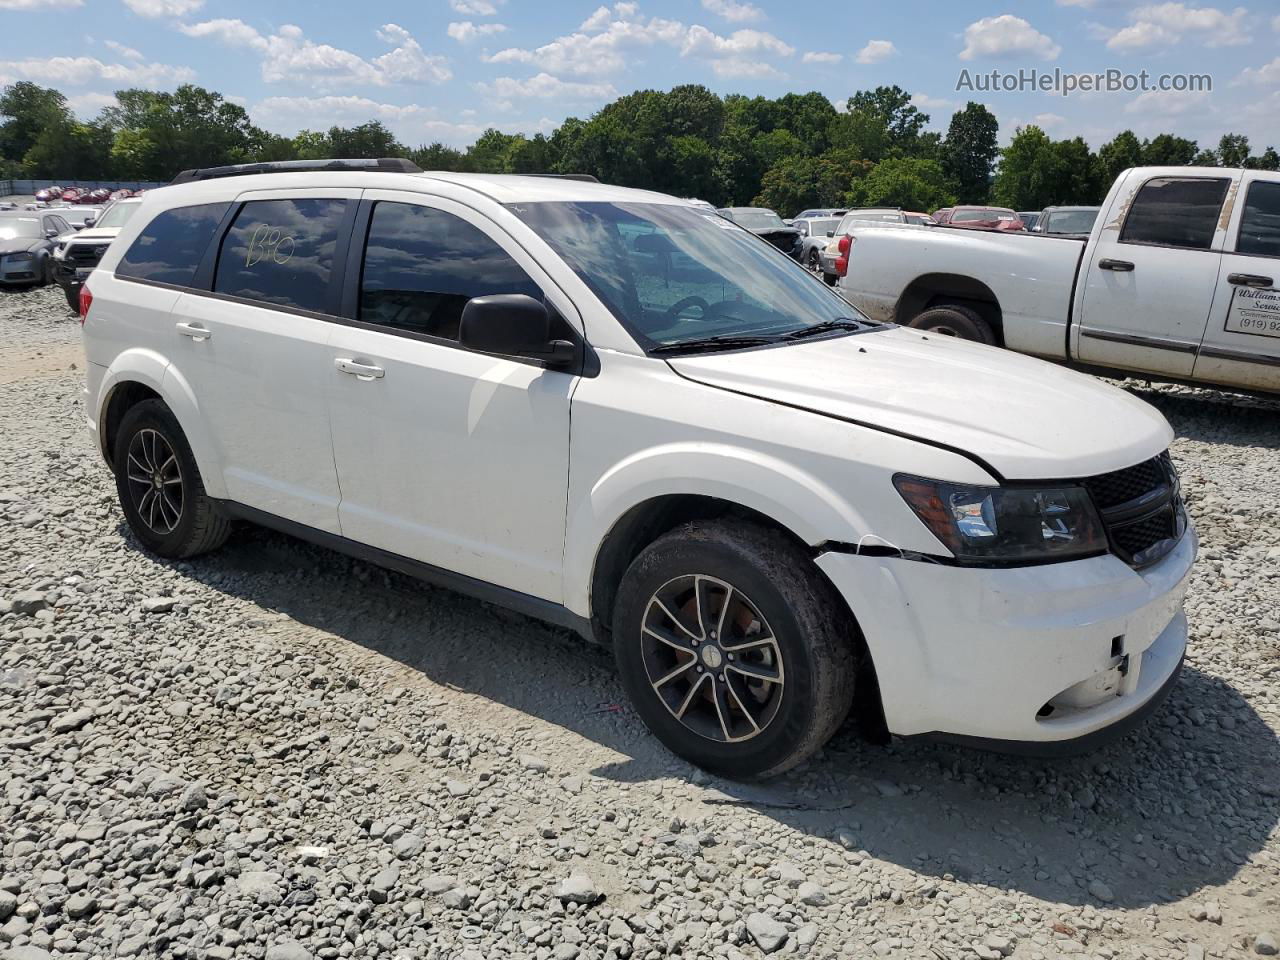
584	177
382	165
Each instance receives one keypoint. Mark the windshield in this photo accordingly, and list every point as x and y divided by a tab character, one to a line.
671	274
13	227
1071	221
757	219
820	228
117	215
964	216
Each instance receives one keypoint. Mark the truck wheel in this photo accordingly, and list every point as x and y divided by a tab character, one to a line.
953	320
73	299
159	485
737	655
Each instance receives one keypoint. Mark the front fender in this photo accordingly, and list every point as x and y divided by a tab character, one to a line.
153	370
773	487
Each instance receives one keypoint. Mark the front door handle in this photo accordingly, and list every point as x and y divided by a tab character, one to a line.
195	331
1250	280
1119	266
359	369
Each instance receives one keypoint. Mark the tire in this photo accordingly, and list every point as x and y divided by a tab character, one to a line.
786	621
954	320
73	299
173	526
814	260
830	279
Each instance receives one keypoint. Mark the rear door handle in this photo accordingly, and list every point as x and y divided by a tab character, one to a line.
1120	266
1249	280
195	331
363	371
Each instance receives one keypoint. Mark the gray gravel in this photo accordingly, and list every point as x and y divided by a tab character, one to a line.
297	756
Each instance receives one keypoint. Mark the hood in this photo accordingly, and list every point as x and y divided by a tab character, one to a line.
1028	419
772	231
93	233
19	245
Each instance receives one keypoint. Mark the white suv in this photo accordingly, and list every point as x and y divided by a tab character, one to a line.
625	415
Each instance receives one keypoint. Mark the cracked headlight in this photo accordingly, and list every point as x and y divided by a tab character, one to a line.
1006	524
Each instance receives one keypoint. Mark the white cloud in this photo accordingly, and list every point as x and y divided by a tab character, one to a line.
925	102
466	31
288	55
545	86
475	8
739	67
818	56
733	11
1006	36
1268	74
1048	121
119	48
1275	24
1164	24
1168	103
597	21
89	105
613	46
876	51
79	71
39	4
163	8
410	122
1078	3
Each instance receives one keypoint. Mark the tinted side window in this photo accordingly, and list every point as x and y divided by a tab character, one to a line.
422	265
281	252
1260	224
171	246
1170	212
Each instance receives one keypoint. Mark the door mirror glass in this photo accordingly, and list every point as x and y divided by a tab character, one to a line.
90	221
831	233
513	325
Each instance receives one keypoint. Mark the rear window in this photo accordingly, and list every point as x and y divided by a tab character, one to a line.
281	252
1260	225
171	246
1175	212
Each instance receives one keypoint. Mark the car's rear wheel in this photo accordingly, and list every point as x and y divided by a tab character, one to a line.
814	260
736	653
160	488
954	320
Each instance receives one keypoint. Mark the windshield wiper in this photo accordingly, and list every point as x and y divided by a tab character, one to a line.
719	342
826	326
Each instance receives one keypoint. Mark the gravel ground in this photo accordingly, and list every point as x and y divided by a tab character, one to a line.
278	752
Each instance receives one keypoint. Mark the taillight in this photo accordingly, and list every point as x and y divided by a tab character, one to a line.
86	301
842	262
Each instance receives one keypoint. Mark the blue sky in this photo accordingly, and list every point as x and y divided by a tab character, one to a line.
446	69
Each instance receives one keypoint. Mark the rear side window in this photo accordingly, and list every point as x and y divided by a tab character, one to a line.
281	252
1173	212
1260	225
422	265
171	246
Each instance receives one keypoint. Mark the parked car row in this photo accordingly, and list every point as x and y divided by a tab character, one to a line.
26	245
96	195
773	509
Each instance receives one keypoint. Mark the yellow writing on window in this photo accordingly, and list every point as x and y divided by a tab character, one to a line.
268	243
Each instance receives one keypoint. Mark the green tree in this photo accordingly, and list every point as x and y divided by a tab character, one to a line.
903	121
70	150
368	141
913	183
437	156
1270	160
312	145
29	110
1233	150
1166	150
1118	155
1036	172
970	150
167	132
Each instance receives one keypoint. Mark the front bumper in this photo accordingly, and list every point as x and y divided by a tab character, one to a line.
21	271
1023	657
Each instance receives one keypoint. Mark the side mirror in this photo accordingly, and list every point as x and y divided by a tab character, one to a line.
51	234
513	325
831	233
90	221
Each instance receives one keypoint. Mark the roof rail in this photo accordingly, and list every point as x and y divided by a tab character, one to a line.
584	177
382	165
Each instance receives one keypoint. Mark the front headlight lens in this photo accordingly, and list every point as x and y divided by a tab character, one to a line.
1006	523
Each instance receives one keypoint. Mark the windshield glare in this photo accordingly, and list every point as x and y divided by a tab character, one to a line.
14	228
672	274
118	215
1071	221
757	219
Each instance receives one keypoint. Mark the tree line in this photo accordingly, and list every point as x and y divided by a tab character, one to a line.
787	153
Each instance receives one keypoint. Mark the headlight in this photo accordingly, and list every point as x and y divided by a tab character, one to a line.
1006	523
18	257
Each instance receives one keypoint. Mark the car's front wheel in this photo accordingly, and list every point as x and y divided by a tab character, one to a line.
737	655
160	488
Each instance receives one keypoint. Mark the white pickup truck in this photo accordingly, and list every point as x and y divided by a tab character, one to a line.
1177	280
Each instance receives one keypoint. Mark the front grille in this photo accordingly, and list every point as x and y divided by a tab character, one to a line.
1141	509
85	254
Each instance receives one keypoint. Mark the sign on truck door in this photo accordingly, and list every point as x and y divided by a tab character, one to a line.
1242	340
1151	278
